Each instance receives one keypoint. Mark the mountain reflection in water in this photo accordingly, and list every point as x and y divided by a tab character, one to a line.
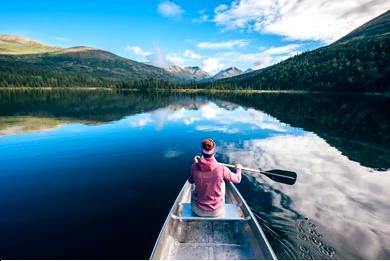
124	147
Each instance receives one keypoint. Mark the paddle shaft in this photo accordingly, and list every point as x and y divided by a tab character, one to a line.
256	171
243	168
283	176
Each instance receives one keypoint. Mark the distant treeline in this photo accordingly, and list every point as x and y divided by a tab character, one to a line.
150	84
356	66
12	75
21	75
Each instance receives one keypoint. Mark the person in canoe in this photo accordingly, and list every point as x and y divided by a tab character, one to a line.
209	177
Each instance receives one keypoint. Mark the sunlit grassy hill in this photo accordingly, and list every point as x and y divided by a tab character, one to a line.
11	44
25	62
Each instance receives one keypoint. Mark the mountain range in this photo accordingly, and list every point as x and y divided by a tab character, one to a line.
229	72
359	61
194	73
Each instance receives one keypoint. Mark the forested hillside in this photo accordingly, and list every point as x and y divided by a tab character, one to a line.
360	61
25	62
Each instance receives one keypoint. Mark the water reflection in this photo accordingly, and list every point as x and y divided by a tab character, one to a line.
12	125
343	197
104	156
16	125
357	125
335	192
223	118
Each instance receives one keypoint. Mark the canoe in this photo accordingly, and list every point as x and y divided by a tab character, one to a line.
233	235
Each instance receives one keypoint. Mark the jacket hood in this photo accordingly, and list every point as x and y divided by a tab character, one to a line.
207	164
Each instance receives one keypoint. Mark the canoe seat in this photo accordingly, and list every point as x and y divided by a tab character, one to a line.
232	212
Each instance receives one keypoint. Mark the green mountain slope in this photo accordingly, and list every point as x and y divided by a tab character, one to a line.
360	61
25	62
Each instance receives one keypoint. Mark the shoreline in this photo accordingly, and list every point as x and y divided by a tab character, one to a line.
187	90
56	88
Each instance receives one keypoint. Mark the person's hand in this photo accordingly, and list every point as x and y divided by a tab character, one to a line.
238	166
196	158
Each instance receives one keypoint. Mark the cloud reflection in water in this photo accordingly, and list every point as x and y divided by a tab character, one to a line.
222	119
340	194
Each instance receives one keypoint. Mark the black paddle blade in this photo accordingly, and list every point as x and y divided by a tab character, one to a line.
282	176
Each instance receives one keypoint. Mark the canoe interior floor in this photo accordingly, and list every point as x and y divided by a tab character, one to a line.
211	240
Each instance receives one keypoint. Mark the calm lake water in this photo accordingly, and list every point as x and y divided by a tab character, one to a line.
94	174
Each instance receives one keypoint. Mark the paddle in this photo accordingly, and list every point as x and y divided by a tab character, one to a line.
278	175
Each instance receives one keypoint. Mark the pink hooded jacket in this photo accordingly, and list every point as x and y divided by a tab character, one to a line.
208	176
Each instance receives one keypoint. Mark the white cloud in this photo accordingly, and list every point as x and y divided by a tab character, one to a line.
203	17
175	59
191	54
321	20
136	50
171	153
221	8
281	49
158	58
181	59
170	9
261	59
212	65
223	45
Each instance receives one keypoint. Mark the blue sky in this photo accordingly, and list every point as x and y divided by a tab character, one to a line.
211	34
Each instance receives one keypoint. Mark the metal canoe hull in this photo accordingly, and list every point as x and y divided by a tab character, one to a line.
210	238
